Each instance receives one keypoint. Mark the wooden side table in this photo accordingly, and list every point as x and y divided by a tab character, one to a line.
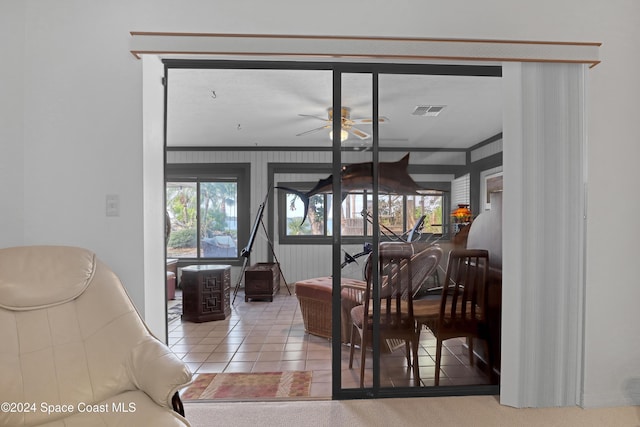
205	292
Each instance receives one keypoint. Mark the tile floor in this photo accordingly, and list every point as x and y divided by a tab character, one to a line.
261	336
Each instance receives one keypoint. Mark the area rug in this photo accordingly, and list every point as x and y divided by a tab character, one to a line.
259	385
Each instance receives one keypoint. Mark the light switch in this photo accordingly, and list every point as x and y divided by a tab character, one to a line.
113	205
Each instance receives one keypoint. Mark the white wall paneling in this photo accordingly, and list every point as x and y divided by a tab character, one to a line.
487	150
460	188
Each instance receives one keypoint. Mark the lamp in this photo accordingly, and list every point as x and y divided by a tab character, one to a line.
462	213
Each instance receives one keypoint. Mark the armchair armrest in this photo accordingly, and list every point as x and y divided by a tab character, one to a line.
154	369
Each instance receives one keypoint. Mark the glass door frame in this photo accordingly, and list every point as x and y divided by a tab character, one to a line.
338	69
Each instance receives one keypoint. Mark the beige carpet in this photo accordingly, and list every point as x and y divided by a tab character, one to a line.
470	411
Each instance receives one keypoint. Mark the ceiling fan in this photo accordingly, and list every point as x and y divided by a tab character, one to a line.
347	124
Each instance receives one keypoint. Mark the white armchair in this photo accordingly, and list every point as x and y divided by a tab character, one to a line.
74	350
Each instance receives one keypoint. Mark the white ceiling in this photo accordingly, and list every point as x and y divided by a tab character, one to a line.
261	108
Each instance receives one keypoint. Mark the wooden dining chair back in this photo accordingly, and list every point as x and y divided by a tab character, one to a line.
462	306
397	280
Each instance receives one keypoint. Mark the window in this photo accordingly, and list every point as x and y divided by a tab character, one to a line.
316	223
182	200
204	211
397	215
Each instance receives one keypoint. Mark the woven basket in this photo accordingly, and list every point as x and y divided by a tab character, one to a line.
316	315
315	306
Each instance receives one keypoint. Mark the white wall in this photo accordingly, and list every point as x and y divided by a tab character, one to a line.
612	359
82	133
11	129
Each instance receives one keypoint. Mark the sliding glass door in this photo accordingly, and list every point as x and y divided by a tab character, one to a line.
350	159
400	188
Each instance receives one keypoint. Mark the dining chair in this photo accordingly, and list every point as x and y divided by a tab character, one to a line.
461	310
401	271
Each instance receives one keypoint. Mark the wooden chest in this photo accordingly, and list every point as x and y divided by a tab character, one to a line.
205	292
261	281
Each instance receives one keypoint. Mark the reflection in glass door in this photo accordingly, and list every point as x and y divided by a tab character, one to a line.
447	355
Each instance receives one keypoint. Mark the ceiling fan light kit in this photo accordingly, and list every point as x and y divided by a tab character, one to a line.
344	135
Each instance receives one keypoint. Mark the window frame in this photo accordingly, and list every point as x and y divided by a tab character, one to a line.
282	207
210	172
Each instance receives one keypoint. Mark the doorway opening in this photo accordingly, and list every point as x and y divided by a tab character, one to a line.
278	119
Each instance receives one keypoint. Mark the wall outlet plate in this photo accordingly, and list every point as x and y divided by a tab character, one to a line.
113	205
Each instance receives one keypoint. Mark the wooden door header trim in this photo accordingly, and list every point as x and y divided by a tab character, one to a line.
308	47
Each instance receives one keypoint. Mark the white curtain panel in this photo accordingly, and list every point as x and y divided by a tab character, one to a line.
543	237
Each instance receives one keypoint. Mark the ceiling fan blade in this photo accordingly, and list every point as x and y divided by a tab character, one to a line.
324	119
313	130
360	134
381	119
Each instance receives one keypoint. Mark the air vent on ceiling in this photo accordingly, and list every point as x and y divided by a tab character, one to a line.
428	110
